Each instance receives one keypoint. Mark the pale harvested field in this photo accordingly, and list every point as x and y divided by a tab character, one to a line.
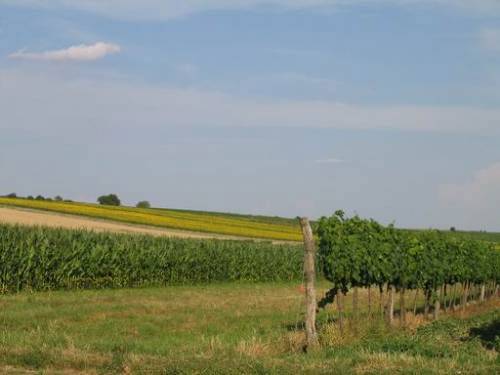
48	219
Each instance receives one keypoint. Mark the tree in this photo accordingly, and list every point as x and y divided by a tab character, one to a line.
30	197
58	198
109	200
453	229
40	198
143	204
12	195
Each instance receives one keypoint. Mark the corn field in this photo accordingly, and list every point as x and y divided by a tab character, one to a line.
46	259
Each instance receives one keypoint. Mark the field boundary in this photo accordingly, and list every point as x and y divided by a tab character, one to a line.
239	228
121	226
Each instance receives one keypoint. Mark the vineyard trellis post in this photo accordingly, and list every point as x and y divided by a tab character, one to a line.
309	278
436	304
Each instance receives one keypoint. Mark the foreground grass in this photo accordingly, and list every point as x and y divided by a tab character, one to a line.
225	328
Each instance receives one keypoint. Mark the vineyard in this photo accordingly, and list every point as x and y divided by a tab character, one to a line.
357	253
234	225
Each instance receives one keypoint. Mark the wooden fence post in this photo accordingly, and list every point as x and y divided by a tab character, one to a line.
309	276
389	307
436	304
402	307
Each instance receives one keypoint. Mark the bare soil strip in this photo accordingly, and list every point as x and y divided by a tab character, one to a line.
47	219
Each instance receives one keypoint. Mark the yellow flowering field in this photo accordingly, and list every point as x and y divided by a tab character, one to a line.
175	219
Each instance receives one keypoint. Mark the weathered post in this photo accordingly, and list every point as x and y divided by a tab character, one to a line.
389	307
415	302
355	298
402	307
465	295
436	304
309	277
369	301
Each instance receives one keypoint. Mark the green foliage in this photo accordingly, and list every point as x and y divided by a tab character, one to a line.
109	200
11	195
40	197
355	252
45	259
143	204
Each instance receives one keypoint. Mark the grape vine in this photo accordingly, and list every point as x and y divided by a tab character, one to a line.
355	252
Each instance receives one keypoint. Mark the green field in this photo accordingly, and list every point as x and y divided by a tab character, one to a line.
232	306
226	328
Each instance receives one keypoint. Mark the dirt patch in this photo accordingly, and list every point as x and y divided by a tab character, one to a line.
47	219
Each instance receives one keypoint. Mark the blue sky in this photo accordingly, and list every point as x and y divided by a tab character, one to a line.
387	108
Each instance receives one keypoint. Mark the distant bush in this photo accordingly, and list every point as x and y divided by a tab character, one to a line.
58	198
30	197
40	198
143	204
109	200
11	195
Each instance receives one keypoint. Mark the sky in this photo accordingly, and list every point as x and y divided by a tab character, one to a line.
385	108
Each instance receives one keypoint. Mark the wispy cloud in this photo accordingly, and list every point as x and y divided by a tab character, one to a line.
57	102
187	69
477	200
490	39
74	53
168	9
329	161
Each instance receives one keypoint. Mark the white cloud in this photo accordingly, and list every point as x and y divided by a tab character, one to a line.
329	161
477	202
490	39
31	100
168	9
74	53
187	69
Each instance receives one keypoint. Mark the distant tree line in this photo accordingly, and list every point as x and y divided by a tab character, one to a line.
114	200
107	200
39	197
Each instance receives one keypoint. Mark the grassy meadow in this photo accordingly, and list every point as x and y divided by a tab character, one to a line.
228	328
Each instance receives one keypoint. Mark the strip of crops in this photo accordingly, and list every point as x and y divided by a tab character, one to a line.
167	219
362	253
43	259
